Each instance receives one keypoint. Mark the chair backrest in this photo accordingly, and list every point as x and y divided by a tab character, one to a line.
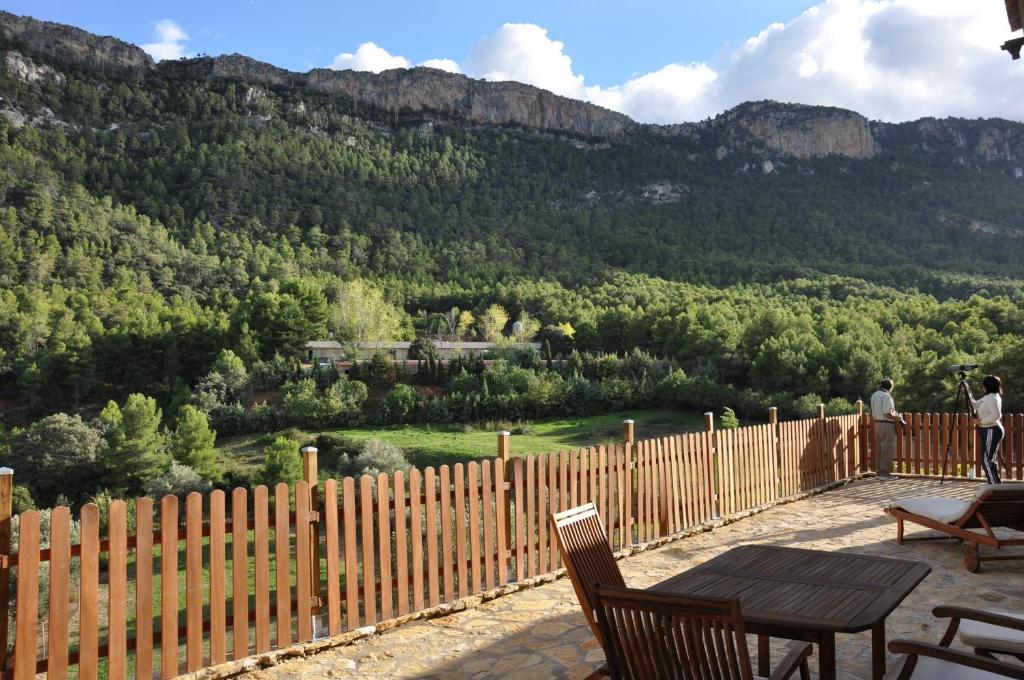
587	557
653	636
1002	505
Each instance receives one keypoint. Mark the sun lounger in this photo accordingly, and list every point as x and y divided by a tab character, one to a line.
973	522
988	632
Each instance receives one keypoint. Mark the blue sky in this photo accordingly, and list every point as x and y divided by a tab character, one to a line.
668	61
301	34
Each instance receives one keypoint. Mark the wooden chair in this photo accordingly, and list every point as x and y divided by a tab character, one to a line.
923	661
987	632
994	505
653	636
587	556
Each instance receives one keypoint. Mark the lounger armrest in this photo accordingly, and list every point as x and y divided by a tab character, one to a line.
946	611
795	657
914	648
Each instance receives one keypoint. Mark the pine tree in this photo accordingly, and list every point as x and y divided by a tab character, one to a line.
136	450
192	444
281	462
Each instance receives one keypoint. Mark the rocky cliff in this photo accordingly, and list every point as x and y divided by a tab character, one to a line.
69	44
796	130
32	50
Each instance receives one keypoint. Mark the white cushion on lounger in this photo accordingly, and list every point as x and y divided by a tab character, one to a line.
938	508
987	636
929	668
985	488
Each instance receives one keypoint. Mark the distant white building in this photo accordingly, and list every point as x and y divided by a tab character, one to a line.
324	349
399	350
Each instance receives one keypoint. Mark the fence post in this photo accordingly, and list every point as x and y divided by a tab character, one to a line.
709	428
504	451
776	455
310	475
503	445
628	432
6	508
862	442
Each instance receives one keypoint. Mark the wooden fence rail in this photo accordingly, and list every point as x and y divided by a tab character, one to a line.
195	582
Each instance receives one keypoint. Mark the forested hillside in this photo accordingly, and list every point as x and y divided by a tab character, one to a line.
155	215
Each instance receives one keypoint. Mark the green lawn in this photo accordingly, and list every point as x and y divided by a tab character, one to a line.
440	444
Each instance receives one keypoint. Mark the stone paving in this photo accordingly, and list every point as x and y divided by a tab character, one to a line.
541	633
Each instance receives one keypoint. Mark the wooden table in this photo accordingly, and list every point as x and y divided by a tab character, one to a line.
809	595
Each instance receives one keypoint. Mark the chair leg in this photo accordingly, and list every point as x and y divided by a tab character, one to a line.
805	671
972	561
899	530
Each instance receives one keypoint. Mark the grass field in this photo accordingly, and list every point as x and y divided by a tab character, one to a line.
440	444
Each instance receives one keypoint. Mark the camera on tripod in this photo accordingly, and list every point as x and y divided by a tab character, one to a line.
962	368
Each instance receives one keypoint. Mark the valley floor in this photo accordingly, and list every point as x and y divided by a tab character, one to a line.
447	444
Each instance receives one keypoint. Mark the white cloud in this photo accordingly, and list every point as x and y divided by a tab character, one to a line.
443	64
524	53
369	57
170	41
887	59
893	60
671	94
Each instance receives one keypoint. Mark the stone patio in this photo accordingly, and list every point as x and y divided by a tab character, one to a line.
541	633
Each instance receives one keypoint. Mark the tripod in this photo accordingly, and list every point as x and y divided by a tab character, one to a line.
963	393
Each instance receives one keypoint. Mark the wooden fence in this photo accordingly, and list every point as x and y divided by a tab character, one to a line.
930	439
165	591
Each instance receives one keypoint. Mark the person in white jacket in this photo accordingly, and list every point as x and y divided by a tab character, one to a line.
990	426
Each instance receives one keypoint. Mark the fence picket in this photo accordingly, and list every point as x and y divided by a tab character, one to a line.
384	545
416	536
168	587
144	588
261	566
239	574
218	594
58	629
27	612
366	557
282	566
531	528
401	545
194	582
348	499
518	520
501	521
474	527
488	526
331	540
444	487
117	591
460	530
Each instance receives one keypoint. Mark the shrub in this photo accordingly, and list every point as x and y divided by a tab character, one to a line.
58	453
269	375
264	418
837	406
437	410
334	451
228	419
377	456
729	420
180	480
281	462
807	406
21	499
400	405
